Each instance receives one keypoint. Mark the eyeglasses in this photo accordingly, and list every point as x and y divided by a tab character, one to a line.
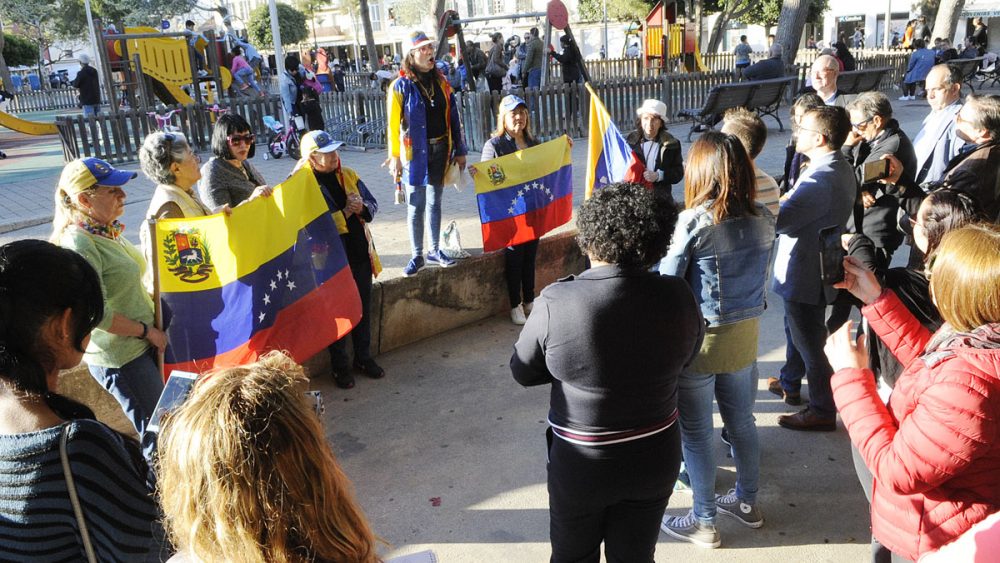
812	131
860	125
237	139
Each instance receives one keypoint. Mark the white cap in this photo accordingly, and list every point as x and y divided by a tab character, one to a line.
655	107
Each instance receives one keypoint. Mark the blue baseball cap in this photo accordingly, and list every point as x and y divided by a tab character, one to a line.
84	173
318	141
510	103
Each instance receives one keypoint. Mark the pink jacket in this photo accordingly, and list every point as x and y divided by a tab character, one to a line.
934	450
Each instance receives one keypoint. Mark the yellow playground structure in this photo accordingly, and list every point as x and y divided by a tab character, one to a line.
164	59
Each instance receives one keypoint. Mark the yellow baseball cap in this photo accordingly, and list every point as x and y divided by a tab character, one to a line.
84	173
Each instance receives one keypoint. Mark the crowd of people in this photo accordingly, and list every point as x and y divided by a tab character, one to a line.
243	465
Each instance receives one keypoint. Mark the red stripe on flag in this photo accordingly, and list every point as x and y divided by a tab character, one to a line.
302	329
527	227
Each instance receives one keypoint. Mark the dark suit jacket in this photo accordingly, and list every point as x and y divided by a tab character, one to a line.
879	221
765	69
974	171
612	343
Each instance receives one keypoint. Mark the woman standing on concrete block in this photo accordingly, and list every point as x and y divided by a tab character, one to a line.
424	138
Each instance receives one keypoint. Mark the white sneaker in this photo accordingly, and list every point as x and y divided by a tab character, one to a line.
527	308
904	98
517	316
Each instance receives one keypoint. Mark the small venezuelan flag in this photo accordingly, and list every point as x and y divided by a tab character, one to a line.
273	276
609	158
525	194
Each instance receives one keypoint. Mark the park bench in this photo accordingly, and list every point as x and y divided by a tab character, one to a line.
968	68
858	81
762	96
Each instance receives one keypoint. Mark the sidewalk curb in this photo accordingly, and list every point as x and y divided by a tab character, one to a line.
24	223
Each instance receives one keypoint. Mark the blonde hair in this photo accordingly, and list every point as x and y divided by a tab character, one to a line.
965	274
244	469
501	129
67	212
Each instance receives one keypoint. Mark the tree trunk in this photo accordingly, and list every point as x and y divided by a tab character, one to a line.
790	24
366	23
717	30
947	18
696	14
436	14
4	70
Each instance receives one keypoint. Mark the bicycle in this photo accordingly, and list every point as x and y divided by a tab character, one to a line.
281	141
165	122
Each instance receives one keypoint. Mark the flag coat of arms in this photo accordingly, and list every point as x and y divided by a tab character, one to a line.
525	194
273	276
609	158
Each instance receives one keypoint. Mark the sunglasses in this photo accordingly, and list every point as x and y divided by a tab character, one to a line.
237	139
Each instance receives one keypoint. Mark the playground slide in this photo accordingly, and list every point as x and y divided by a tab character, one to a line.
27	127
166	61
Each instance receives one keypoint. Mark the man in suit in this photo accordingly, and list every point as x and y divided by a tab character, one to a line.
771	67
937	142
822	197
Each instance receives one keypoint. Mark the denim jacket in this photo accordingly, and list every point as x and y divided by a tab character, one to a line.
727	264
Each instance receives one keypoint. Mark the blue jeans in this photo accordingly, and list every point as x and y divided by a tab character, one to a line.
89	110
245	76
136	386
419	198
805	335
535	78
736	394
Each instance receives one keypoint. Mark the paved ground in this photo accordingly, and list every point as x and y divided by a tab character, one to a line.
447	452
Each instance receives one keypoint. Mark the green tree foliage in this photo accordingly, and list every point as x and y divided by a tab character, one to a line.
19	51
618	10
291	22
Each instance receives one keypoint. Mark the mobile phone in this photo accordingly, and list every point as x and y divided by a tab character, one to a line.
875	170
175	392
831	259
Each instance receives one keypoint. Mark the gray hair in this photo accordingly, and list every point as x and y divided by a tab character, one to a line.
776	50
158	152
870	104
986	113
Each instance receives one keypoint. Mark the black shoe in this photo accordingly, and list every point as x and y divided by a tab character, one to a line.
369	368
343	379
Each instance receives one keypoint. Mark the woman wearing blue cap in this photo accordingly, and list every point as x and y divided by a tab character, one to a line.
122	351
511	135
424	138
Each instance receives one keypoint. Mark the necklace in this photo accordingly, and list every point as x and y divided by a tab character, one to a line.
112	231
428	93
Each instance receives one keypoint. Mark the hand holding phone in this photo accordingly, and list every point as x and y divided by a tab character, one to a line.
875	171
831	250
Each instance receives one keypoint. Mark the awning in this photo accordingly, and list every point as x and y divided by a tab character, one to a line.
981	9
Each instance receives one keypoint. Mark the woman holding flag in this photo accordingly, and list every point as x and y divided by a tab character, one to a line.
89	199
511	135
656	149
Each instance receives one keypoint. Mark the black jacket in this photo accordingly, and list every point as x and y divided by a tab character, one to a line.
765	69
90	87
879	221
667	159
613	344
571	64
974	171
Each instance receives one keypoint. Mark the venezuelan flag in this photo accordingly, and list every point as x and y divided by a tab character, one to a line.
273	276
525	194
609	158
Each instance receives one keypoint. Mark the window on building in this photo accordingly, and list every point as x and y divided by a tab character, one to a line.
375	13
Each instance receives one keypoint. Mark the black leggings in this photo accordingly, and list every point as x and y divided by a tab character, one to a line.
519	271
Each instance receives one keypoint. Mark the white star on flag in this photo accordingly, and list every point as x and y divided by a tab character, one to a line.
260	318
267	299
279	275
274	286
291	285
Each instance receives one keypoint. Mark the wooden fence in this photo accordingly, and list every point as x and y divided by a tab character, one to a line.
44	100
358	117
874	57
116	137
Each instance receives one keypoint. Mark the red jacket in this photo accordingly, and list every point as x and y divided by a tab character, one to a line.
935	450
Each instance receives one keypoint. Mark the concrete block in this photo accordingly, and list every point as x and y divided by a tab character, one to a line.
438	299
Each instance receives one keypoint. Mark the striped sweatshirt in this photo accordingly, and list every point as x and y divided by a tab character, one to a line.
37	522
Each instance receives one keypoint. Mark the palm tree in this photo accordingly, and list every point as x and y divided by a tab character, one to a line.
366	23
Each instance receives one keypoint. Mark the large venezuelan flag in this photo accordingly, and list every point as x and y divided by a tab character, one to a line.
609	158
273	276
525	194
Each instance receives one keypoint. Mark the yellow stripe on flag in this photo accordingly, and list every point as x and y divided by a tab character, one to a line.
232	247
599	120
522	166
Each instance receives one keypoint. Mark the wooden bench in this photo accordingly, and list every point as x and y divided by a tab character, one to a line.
858	81
762	96
968	68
